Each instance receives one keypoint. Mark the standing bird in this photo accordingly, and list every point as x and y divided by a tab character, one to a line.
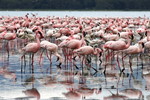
8	36
147	41
71	44
117	46
133	49
52	48
87	50
32	47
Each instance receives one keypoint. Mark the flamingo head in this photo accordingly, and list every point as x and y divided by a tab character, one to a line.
35	28
40	33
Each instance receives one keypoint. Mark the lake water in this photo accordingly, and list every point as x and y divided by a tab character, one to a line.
52	83
80	13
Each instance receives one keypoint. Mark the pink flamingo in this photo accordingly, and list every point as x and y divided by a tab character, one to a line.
52	48
110	37
116	46
32	47
134	49
87	50
2	29
141	30
71	44
8	37
147	40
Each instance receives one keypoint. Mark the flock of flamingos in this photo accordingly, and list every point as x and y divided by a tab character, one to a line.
79	40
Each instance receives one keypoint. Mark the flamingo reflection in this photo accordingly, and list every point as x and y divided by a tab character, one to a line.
8	74
32	93
72	95
132	93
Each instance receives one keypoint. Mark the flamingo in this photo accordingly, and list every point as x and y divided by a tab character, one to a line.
71	44
2	29
134	49
8	37
147	40
52	48
87	50
32	47
117	46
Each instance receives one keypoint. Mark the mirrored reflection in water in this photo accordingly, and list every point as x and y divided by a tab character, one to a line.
48	81
62	74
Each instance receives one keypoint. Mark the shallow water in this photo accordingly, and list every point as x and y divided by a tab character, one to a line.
53	83
20	80
79	13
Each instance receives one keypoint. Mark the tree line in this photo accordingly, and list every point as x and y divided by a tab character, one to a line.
75	4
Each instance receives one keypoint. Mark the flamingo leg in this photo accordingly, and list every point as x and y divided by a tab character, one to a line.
7	48
130	62
41	56
48	56
82	63
122	61
32	59
118	63
32	63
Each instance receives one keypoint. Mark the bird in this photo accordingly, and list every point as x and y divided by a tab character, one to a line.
147	41
52	48
8	36
133	49
87	50
69	45
116	46
32	48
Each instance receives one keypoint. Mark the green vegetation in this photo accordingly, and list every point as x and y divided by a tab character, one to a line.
75	4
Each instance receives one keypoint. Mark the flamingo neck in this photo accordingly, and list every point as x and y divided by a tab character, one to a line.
83	41
96	51
3	34
60	58
140	47
128	44
38	40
